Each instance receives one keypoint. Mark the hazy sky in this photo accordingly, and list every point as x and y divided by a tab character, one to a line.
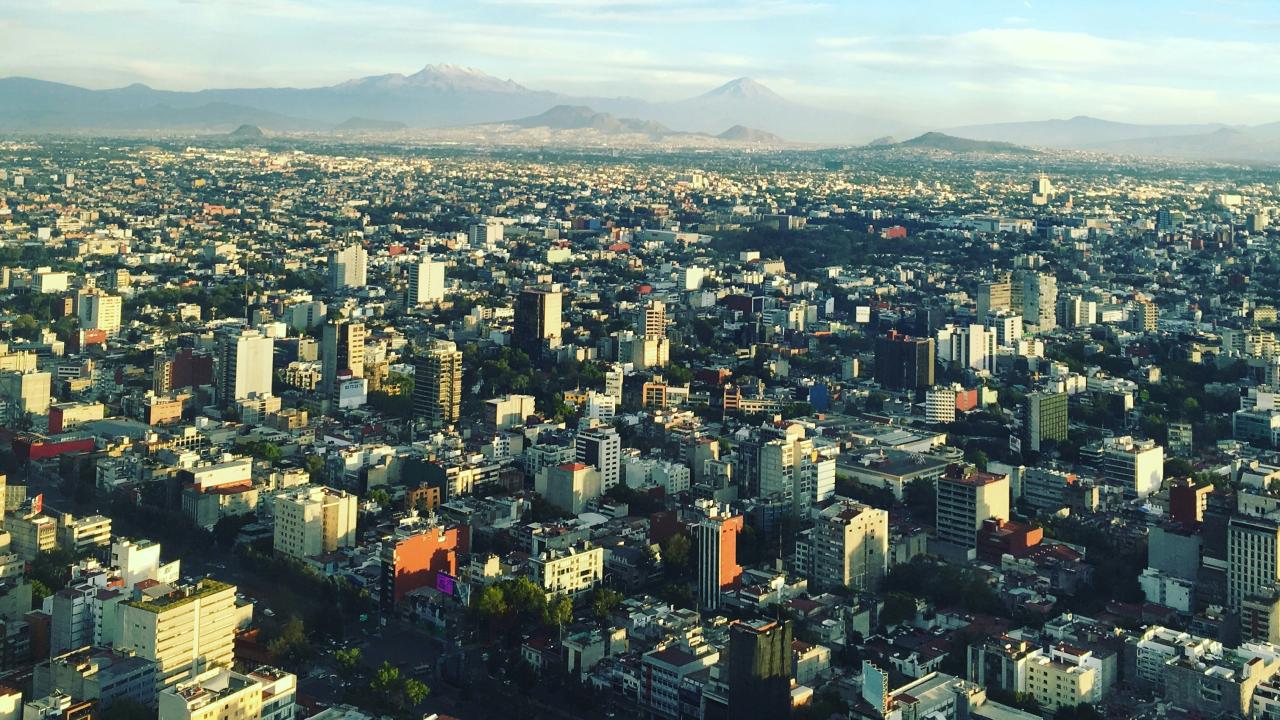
939	62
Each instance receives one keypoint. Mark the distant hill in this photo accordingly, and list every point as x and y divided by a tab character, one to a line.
581	117
744	134
883	141
363	124
950	143
247	132
1078	133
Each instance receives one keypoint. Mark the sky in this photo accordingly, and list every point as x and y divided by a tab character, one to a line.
928	62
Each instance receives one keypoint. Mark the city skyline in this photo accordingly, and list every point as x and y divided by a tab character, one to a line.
1187	61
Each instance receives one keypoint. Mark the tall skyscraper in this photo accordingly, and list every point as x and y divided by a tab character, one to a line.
426	282
244	365
348	267
760	669
716	538
437	389
904	362
1046	418
538	322
341	355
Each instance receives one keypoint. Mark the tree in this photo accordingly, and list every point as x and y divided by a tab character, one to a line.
379	496
228	528
675	554
348	658
291	643
386	679
1178	468
492	603
899	607
604	600
314	465
559	612
415	691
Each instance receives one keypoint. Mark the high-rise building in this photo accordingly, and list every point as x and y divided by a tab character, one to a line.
1253	559
245	360
437	389
185	630
614	377
311	520
1046	418
99	311
538	324
972	347
786	466
1006	324
760	669
426	282
1039	301
482	234
994	296
348	267
849	546
341	357
652	319
601	448
967	497
1146	316
716	539
904	362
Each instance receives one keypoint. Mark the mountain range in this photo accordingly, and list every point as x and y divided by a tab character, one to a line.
438	96
453	98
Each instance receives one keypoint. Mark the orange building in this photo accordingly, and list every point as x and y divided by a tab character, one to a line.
416	554
717	538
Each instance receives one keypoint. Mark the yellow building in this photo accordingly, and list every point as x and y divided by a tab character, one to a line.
185	630
312	520
1063	677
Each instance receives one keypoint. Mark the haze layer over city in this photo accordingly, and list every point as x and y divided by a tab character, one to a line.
666	359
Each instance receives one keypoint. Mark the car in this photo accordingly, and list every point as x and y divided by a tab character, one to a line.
268	612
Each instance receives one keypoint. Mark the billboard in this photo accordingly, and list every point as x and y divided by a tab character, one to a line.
445	583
